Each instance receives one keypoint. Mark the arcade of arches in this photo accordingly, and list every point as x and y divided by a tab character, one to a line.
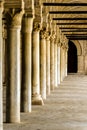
41	41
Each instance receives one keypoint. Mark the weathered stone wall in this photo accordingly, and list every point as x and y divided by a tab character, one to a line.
82	59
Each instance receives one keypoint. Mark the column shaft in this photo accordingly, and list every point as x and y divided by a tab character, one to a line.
13	110
36	97
62	64
58	60
4	62
1	62
48	66
65	63
43	67
55	65
26	64
52	64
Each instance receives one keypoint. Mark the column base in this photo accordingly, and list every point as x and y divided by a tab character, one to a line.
37	100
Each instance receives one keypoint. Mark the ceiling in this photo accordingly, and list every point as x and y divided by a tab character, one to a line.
70	16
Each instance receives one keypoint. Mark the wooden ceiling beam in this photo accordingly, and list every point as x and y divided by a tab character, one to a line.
79	30
71	23
77	38
68	12
70	18
76	35
64	4
72	28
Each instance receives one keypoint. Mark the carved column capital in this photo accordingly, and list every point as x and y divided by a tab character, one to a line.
36	26
48	35
37	15
43	33
59	44
65	46
17	18
53	36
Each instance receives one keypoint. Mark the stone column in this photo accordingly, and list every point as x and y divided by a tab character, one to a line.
48	65
4	33
65	55
1	62
36	97
58	62
55	64
13	111
26	67
62	64
52	63
43	64
63	75
66	63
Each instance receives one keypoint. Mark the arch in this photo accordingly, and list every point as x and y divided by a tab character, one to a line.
72	58
78	46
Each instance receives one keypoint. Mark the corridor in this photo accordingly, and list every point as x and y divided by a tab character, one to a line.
64	109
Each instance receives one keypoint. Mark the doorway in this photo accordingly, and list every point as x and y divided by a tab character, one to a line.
72	58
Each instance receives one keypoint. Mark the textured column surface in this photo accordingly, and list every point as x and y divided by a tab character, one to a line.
62	64
1	62
13	104
55	65
26	64
14	74
36	97
58	66
48	66
66	65
52	64
43	65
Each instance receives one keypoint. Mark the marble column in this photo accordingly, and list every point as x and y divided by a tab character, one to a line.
48	65
43	64
26	67
66	62
4	32
13	110
58	63
55	64
1	62
36	97
62	65
52	64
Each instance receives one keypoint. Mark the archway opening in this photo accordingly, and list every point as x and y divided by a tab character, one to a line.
72	58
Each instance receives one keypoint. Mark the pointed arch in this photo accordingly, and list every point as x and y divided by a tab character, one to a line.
78	46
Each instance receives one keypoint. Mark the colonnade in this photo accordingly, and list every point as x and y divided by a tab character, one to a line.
1	63
37	61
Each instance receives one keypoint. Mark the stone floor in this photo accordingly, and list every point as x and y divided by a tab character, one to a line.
64	109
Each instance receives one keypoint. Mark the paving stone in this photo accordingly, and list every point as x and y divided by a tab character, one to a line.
64	109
